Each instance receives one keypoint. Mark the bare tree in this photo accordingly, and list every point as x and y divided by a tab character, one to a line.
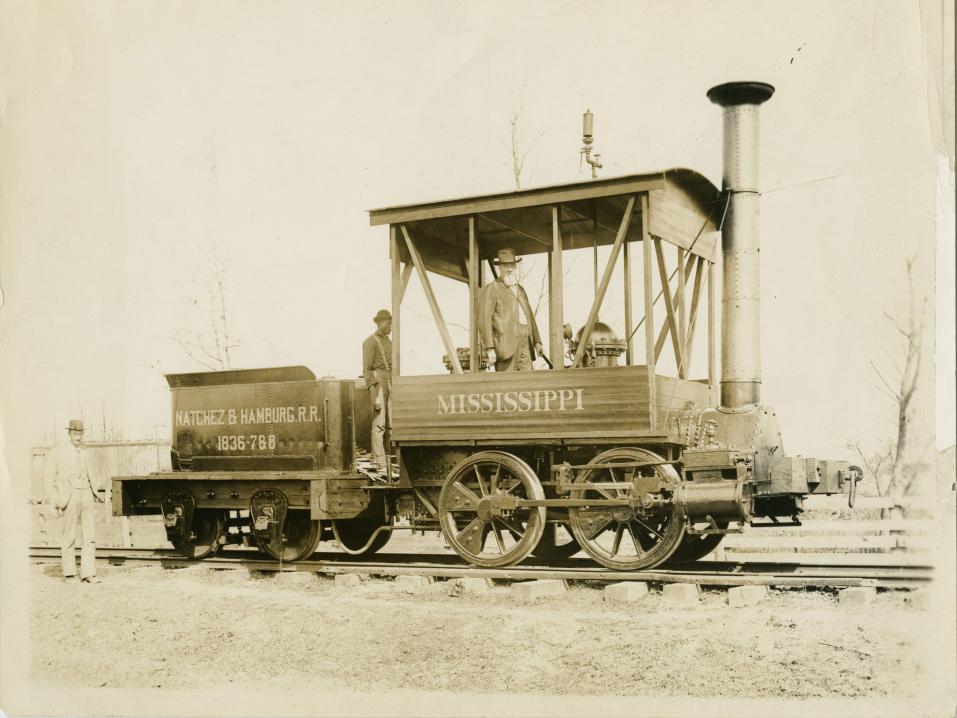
519	153
894	471
212	348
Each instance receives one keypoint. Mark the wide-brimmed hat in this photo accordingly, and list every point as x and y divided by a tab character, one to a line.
76	425
381	316
506	256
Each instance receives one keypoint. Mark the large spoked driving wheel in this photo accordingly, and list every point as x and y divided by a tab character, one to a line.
354	535
626	537
695	546
480	517
207	528
298	540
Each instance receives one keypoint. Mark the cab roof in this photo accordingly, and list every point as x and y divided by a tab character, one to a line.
683	206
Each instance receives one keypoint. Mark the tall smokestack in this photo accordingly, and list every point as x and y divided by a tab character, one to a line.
741	245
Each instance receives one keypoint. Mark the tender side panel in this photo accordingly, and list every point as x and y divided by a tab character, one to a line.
291	425
516	405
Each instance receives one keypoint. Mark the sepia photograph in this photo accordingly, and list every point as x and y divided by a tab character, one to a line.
420	358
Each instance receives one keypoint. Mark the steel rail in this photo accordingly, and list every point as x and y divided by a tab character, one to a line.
707	573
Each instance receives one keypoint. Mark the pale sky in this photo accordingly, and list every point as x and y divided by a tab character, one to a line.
142	143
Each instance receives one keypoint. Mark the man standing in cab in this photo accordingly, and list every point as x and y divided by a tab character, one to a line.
67	478
377	370
507	327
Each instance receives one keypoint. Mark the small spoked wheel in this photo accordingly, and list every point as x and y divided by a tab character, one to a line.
695	546
300	536
207	528
479	514
353	536
557	543
626	537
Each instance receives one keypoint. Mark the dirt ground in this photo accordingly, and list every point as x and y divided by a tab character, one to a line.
195	628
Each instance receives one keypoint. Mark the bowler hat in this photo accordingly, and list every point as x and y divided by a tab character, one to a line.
381	316
75	425
506	256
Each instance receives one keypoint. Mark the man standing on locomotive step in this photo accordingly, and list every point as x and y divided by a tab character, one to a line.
506	323
377	370
67	478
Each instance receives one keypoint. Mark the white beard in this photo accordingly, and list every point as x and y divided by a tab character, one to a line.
510	280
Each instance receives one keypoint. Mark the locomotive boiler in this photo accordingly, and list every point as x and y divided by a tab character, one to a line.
633	462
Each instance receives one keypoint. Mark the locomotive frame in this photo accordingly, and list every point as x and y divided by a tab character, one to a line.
632	466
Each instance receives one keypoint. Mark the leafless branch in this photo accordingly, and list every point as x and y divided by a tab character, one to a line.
212	350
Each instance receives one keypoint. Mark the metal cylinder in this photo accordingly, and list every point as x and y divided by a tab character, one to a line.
741	246
717	499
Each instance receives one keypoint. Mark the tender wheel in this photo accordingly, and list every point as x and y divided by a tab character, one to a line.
695	546
557	543
207	527
354	534
623	537
300	536
478	520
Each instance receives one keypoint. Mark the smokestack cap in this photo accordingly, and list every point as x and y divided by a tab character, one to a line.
740	93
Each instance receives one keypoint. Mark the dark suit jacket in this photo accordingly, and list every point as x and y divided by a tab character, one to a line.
499	319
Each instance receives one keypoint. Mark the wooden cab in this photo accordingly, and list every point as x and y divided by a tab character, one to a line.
662	230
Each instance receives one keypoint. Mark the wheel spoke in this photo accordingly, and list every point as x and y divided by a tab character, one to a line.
634	539
478	478
516	485
648	528
515	529
493	482
498	538
619	532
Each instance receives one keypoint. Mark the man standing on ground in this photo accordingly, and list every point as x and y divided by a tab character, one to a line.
507	325
67	478
377	370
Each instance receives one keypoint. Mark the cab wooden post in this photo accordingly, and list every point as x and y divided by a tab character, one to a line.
629	358
398	288
711	363
474	286
555	294
649	311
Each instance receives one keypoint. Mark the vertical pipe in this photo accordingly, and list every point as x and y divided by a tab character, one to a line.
474	284
594	239
396	296
649	311
626	265
556	345
740	239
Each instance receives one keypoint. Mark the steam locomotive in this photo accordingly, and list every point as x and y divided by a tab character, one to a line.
623	460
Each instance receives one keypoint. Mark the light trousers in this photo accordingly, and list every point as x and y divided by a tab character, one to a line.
379	421
80	509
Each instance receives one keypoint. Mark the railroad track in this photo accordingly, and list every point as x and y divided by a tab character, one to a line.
707	573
